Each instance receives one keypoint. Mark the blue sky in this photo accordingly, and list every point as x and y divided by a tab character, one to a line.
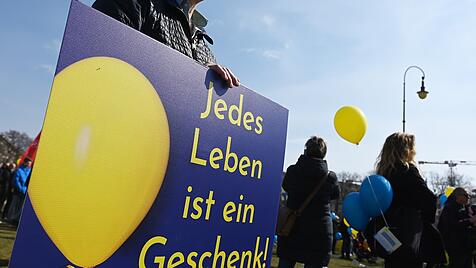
312	57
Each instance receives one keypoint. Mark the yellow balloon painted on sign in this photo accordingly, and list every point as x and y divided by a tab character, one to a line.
102	158
350	123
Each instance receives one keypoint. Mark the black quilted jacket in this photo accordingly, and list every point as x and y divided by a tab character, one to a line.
162	21
310	241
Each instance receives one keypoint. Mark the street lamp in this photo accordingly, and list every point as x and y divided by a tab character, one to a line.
422	93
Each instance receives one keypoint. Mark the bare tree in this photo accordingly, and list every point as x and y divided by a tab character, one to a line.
438	183
463	181
345	176
12	144
348	182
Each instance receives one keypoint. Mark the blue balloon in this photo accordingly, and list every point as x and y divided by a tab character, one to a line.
354	212
338	236
443	199
376	195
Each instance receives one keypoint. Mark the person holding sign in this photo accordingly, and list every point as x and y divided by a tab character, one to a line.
310	239
412	211
175	23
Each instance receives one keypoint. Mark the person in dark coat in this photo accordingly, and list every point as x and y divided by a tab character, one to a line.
413	207
5	180
175	23
310	240
9	190
456	225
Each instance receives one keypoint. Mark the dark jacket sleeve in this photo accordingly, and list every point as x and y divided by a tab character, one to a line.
289	181
422	196
454	231
3	175
130	12
335	189
294	187
452	219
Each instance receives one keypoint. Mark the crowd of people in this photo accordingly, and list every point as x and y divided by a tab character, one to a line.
429	238
13	187
353	242
411	216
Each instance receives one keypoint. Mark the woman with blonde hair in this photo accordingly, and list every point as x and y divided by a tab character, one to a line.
412	212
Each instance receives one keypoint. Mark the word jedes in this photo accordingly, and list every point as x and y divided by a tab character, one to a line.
227	159
221	106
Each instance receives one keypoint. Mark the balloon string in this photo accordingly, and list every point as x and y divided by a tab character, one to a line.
378	203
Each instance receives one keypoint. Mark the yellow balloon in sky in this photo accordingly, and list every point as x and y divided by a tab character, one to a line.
350	123
102	158
449	190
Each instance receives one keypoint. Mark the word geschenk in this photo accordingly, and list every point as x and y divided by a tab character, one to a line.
218	159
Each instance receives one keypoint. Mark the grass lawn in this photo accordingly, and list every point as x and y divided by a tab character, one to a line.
336	262
7	236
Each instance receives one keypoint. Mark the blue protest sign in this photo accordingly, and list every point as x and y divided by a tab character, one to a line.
147	159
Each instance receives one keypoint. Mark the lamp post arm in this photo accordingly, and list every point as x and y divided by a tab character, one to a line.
404	78
413	66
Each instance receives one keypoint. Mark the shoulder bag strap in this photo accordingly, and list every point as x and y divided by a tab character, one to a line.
314	192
